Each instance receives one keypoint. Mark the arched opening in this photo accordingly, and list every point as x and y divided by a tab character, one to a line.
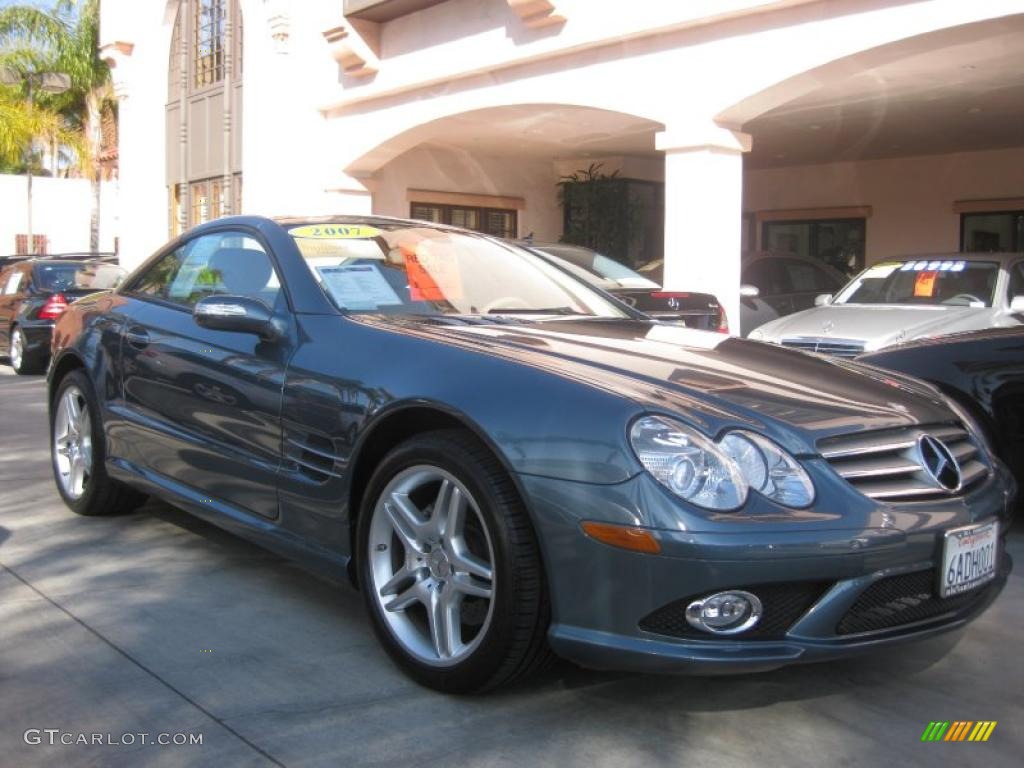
203	113
904	148
523	170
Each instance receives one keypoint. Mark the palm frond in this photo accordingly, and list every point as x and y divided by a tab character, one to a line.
22	125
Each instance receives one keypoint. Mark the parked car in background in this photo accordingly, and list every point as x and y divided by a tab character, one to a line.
789	283
105	256
784	284
693	309
509	462
900	300
34	293
983	371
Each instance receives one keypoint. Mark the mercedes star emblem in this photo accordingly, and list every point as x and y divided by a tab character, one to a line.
939	464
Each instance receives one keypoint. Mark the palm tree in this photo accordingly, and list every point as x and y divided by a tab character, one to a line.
22	124
66	40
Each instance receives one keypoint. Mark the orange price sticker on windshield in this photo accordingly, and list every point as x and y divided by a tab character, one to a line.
421	285
924	284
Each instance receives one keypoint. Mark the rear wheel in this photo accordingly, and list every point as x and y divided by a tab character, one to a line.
449	566
22	361
78	452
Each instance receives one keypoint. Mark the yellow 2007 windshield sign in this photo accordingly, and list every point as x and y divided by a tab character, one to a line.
334	232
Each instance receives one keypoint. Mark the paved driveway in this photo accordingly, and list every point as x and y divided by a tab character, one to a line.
156	623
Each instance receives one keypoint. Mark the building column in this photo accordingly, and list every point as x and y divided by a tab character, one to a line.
142	202
703	211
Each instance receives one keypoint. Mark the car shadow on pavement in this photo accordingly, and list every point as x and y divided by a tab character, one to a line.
687	692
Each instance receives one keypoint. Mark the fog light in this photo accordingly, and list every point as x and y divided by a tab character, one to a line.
725	613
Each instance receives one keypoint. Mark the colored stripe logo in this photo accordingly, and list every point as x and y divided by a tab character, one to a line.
958	730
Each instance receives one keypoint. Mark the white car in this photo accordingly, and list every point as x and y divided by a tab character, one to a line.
899	300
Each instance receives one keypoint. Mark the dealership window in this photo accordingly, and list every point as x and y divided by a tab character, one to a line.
21	245
838	243
207	198
208	46
989	232
500	222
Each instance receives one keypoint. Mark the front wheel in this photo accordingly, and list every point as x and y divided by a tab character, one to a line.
78	453
449	566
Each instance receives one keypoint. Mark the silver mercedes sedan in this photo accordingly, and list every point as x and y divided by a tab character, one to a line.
897	300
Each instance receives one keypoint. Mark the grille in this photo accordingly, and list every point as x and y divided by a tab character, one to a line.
904	599
826	346
887	464
782	605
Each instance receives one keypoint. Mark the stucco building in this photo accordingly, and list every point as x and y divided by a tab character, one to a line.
848	130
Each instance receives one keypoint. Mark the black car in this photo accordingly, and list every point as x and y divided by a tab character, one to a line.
693	309
34	293
773	285
983	371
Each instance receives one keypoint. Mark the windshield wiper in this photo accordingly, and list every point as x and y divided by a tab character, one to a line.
539	311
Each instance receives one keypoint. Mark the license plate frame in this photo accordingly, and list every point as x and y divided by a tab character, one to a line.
981	539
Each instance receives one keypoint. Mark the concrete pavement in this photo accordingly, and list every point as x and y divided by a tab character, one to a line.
157	623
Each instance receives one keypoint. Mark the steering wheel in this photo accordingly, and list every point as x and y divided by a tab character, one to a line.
504	302
966	296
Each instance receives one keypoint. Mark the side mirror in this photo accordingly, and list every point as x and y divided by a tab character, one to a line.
748	291
1017	305
239	314
823	299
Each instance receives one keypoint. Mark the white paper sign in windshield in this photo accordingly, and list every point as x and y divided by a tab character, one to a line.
358	286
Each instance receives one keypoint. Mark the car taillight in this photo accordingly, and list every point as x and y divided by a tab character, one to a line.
54	307
723	321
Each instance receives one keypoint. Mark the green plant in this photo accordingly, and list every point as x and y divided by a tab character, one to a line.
599	212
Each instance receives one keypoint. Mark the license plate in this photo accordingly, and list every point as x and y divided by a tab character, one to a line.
968	558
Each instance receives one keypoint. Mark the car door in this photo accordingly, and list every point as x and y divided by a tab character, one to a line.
204	405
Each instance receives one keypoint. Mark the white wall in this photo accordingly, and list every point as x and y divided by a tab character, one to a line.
61	210
911	198
451	170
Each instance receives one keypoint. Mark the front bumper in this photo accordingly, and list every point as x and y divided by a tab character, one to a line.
603	598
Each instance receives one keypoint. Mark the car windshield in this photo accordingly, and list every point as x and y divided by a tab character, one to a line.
949	282
395	268
611	273
77	275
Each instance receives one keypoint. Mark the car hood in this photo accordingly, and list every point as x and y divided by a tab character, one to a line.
711	379
876	325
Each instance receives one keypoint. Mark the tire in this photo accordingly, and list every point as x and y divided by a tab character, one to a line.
81	437
23	362
410	558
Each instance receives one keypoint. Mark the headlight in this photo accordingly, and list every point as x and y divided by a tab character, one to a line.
718	475
688	464
768	469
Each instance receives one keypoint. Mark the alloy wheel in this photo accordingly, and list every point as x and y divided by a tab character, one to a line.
72	442
432	565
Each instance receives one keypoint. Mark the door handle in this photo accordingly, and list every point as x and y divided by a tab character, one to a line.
137	337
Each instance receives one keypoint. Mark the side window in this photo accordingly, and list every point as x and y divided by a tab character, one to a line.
1016	281
767	275
803	278
808	278
210	265
13	281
